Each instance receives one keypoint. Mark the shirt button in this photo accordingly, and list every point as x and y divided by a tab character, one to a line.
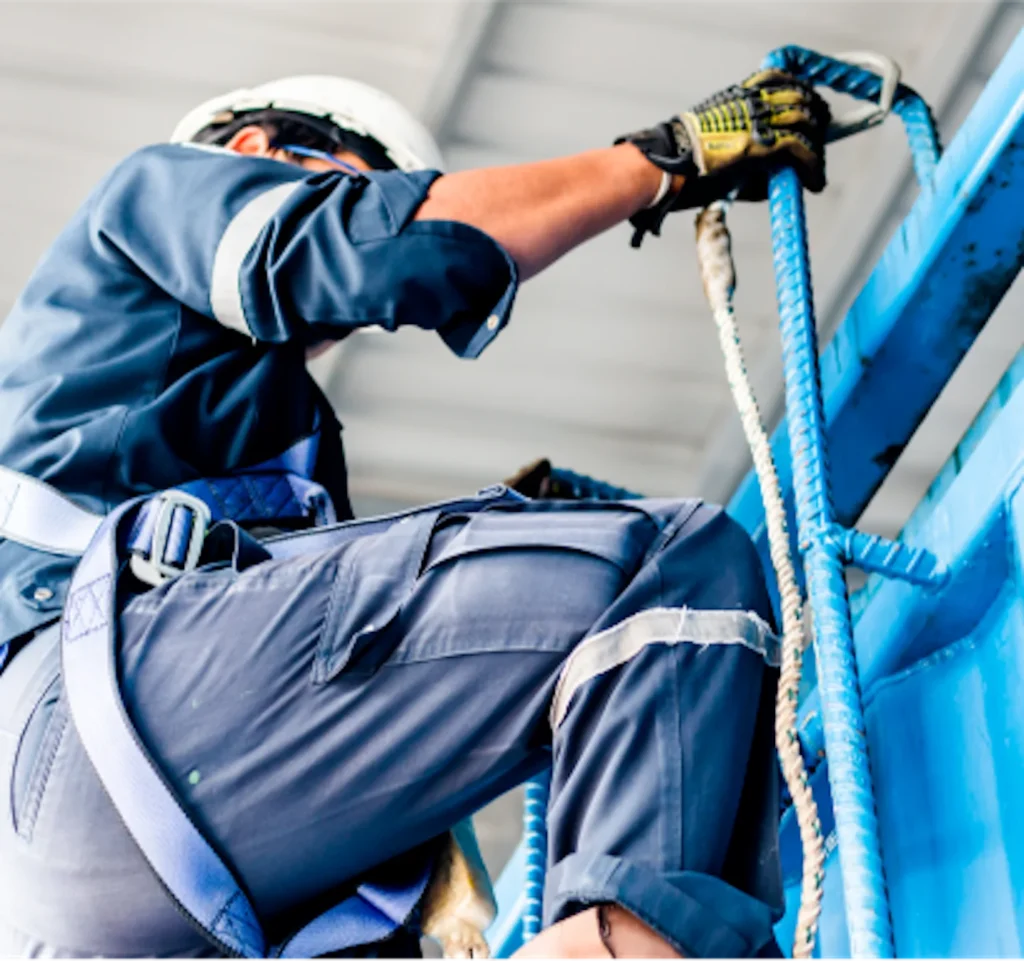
492	322
42	594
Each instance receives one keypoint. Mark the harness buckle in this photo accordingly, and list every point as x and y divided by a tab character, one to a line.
179	530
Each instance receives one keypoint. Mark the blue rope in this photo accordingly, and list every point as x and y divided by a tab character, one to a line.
853	798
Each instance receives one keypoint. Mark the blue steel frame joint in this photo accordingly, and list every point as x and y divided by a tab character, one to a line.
877	554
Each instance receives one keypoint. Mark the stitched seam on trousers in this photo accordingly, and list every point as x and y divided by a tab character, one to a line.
672	775
42	767
341	590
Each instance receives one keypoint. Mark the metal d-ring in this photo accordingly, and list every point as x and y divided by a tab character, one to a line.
868	114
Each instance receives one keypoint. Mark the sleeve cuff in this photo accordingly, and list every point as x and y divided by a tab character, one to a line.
465	337
700	915
468	338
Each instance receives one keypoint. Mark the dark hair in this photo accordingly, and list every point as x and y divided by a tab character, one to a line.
284	127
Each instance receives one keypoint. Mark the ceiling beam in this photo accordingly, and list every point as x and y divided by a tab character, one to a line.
458	64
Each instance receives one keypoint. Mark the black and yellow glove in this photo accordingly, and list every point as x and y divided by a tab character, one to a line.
732	141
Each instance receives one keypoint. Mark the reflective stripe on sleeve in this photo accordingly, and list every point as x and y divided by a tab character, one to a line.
241	234
661	625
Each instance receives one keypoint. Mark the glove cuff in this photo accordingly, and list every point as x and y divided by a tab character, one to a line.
669	147
691	127
663	189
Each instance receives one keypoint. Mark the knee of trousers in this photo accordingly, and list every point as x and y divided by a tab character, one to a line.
711	563
704	589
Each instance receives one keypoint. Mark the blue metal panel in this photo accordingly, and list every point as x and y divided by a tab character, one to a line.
935	286
947	746
888	634
899	624
943	677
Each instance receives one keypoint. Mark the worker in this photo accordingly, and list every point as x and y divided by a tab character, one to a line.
235	720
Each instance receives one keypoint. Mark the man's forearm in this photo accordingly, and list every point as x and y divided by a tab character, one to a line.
539	211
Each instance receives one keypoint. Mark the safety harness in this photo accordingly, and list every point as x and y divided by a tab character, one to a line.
162	537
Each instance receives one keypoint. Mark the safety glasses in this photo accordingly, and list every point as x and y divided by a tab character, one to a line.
319	155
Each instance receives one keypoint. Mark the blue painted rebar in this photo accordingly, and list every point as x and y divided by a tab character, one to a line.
853	798
816	68
535	836
843	719
825	552
895	559
569	485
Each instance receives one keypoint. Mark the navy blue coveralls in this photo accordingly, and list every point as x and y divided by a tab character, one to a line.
322	714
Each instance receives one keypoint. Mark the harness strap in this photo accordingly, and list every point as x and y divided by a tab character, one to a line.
167	537
190	870
194	875
165	542
37	515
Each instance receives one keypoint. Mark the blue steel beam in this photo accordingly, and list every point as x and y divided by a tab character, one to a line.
893	623
937	283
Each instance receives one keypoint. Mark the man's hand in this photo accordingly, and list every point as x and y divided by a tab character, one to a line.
732	141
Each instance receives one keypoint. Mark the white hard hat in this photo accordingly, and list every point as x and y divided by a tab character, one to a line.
349	104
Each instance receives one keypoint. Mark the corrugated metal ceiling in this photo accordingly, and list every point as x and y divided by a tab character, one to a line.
611	364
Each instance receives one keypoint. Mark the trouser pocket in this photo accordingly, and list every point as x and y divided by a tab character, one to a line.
37	748
375	574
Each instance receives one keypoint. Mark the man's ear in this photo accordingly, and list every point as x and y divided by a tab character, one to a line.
251	140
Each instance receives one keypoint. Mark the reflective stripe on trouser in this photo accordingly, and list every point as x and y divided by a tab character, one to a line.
321	714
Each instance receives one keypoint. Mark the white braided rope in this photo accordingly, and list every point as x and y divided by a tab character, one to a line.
714	255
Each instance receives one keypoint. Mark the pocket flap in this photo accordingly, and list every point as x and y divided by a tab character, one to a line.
375	575
612	536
